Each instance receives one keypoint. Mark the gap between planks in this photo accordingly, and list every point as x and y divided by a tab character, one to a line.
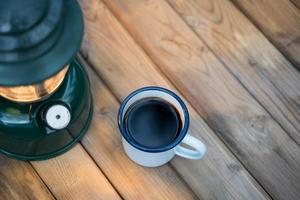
288	131
92	17
42	180
270	34
181	94
86	63
276	128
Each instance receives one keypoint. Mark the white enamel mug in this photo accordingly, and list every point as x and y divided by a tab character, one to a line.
154	157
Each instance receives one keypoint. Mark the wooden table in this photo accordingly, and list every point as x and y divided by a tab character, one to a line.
235	65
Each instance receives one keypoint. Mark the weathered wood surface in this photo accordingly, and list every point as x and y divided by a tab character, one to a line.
103	142
124	67
19	181
261	68
74	175
246	128
279	20
296	3
239	89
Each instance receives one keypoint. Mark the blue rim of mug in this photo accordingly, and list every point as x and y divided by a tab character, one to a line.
175	142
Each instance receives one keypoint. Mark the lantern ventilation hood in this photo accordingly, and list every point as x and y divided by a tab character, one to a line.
37	39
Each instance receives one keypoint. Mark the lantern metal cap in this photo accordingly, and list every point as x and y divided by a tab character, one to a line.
37	39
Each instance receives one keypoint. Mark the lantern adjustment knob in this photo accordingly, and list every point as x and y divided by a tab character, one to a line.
58	117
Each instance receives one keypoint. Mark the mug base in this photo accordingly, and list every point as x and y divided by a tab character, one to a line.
147	159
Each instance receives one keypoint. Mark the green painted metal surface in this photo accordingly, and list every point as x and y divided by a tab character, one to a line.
23	132
37	39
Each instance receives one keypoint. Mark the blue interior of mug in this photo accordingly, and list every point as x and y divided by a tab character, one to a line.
156	92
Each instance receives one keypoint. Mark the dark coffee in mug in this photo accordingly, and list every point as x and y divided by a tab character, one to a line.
152	122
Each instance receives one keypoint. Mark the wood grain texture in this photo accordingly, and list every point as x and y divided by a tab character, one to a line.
251	133
259	66
124	67
279	20
296	3
104	144
74	175
19	181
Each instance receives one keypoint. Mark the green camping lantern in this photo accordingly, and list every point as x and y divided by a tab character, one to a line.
45	98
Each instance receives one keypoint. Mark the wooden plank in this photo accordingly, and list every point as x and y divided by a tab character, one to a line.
74	175
104	144
125	67
296	3
279	20
250	132
18	181
259	66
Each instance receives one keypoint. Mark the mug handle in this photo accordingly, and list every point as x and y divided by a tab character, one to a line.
193	142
